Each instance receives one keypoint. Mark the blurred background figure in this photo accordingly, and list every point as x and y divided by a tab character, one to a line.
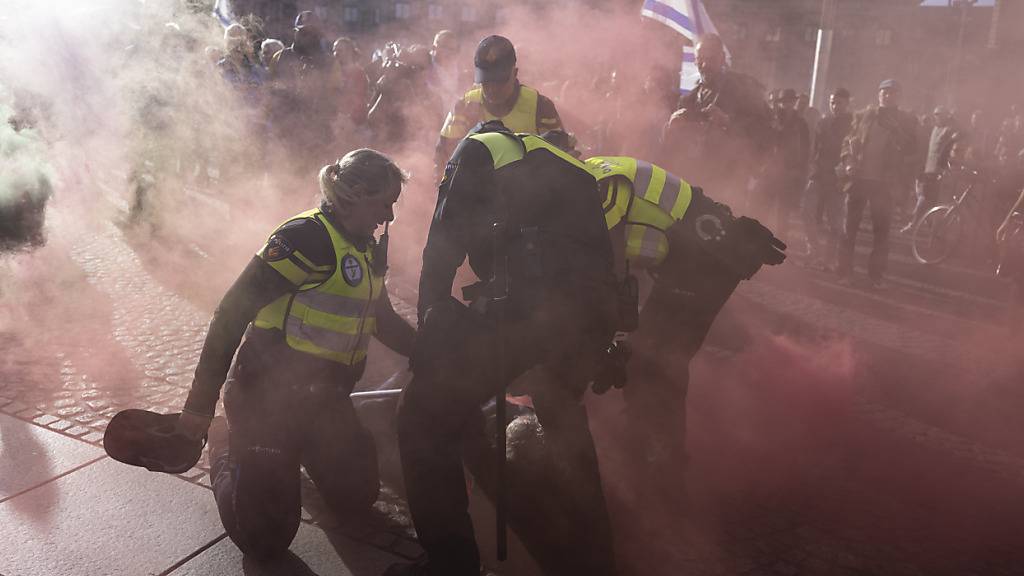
445	76
786	168
874	155
944	134
822	208
722	128
352	82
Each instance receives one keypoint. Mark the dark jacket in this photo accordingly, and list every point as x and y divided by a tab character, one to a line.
900	130
940	144
570	272
828	145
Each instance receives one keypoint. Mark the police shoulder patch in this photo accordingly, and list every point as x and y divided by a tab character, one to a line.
277	248
351	270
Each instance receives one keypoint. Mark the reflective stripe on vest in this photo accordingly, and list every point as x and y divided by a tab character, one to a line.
333	320
656	200
508	148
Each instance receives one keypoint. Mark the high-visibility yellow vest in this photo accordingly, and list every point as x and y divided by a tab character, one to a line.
648	205
508	148
522	117
333	319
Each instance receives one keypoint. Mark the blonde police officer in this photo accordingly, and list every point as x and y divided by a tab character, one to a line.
308	304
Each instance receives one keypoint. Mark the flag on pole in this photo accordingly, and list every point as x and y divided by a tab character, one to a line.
689	18
222	12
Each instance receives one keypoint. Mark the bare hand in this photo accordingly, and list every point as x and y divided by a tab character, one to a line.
193	426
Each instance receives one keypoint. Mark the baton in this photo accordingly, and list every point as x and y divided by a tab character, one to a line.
499	295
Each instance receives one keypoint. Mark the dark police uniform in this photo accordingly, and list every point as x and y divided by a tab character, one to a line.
697	252
560	316
308	303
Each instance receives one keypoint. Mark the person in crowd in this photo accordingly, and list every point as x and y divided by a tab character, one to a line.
304	98
498	95
308	304
980	153
1011	138
786	168
239	66
352	80
404	100
822	203
882	140
945	133
722	128
268	50
445	73
810	115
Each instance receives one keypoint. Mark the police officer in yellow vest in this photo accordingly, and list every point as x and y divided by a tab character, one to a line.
547	306
696	252
308	304
497	95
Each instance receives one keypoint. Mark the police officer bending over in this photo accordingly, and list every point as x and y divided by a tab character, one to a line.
549	304
696	252
308	304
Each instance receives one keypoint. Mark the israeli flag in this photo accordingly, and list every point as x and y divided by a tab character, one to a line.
688	75
689	18
222	12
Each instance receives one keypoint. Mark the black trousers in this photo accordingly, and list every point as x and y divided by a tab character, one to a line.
281	416
822	216
673	325
439	422
878	195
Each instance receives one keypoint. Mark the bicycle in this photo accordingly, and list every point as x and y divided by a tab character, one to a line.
941	229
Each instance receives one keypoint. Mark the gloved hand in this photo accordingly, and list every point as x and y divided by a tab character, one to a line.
754	247
612	368
771	249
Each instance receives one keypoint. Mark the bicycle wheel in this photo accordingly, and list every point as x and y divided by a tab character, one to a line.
935	236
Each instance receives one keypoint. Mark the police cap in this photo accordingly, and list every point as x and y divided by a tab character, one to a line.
494	60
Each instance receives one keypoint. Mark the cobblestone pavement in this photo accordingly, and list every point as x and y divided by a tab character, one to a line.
891	485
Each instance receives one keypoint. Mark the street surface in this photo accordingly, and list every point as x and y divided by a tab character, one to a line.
834	430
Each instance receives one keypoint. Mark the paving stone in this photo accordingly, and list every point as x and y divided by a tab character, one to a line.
60	425
45	420
316	554
93	437
30	455
107	518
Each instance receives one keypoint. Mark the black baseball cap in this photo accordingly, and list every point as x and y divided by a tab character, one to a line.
494	60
